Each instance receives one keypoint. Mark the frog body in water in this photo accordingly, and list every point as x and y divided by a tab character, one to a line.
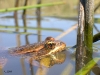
40	49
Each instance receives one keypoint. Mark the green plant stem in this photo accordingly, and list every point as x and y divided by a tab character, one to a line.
29	7
88	67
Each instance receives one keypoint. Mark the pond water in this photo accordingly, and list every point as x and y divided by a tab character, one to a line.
17	65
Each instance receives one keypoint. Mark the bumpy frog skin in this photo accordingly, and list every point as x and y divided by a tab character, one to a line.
40	49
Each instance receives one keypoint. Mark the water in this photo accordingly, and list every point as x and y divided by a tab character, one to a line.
21	66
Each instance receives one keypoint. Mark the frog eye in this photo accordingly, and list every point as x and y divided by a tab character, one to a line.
50	45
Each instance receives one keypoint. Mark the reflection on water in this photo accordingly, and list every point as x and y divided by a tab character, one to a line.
47	61
24	52
26	65
53	59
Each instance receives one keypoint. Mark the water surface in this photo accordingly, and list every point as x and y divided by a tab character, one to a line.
17	65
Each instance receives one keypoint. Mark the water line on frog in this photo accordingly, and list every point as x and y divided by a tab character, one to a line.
58	46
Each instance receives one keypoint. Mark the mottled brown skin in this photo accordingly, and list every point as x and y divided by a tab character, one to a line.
49	38
40	49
